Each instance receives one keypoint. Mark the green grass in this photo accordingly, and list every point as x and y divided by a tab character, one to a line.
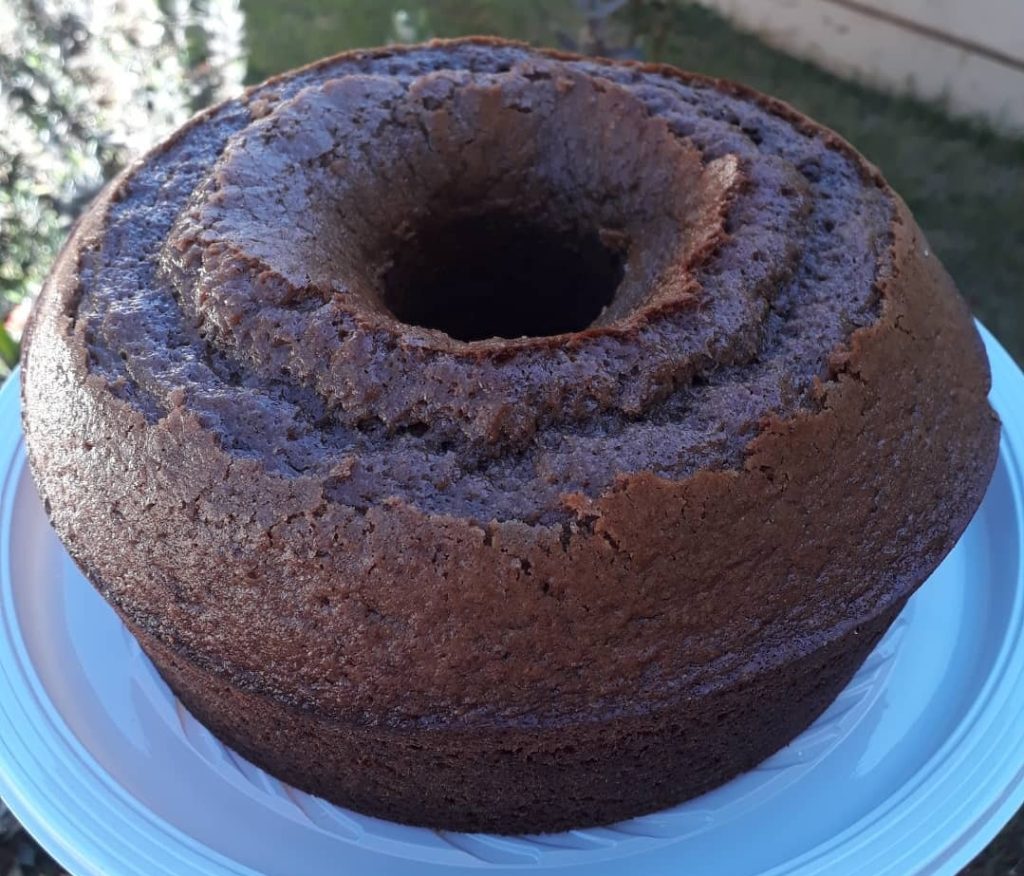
282	36
964	183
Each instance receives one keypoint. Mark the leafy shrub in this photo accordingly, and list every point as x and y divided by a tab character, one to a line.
84	86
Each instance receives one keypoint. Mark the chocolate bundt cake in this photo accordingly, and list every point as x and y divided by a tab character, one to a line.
496	439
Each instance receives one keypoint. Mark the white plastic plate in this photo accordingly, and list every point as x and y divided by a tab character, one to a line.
913	770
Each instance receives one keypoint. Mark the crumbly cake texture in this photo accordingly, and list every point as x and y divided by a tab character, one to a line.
560	577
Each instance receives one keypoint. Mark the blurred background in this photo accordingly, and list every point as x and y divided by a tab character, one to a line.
932	91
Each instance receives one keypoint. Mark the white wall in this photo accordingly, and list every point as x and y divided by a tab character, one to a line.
968	53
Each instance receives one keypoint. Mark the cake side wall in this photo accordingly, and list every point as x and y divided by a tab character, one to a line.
513	780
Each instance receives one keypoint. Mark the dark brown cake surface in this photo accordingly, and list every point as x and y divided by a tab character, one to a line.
497	439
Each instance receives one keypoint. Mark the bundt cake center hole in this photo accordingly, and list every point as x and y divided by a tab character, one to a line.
499	275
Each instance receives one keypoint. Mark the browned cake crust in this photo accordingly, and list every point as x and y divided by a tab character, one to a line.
564	545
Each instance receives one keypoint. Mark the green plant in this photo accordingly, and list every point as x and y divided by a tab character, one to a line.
84	86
